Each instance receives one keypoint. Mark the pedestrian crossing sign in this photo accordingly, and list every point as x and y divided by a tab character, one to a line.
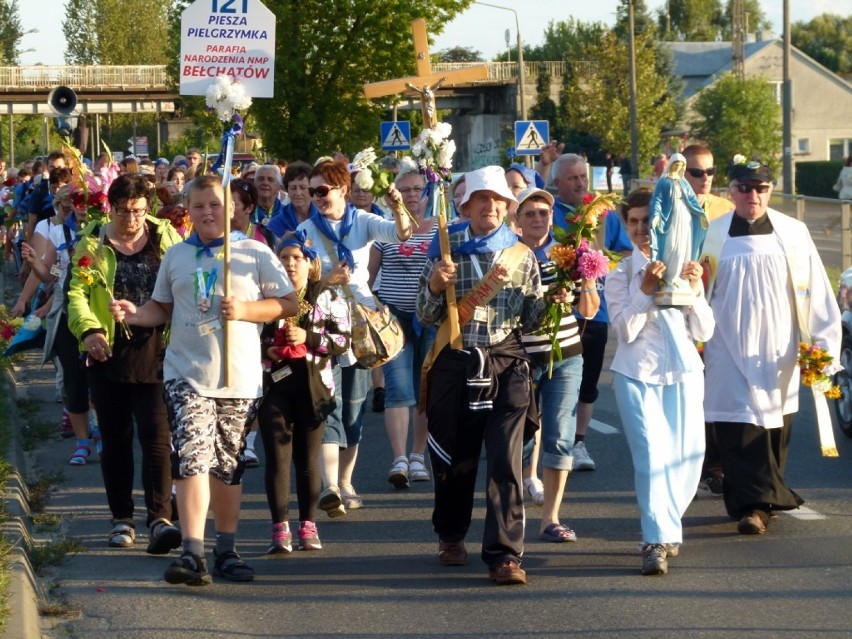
531	136
396	136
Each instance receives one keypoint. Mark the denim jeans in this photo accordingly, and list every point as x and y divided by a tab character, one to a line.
558	396
343	426
402	374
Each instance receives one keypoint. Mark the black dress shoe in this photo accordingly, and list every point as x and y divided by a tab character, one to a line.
753	523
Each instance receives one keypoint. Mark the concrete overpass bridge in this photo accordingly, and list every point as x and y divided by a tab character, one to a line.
145	89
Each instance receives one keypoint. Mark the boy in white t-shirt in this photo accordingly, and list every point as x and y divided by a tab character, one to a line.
209	420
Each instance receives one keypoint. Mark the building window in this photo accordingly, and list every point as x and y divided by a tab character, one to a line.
804	146
839	149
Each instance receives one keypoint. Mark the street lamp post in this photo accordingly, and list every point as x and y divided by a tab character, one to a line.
523	102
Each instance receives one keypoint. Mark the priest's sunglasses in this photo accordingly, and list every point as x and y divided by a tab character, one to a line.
745	187
699	173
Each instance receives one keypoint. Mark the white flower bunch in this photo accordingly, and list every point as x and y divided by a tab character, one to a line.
364	179
226	97
363	162
434	149
739	159
364	159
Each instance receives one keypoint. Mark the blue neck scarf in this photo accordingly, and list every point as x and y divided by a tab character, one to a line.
497	240
343	252
541	251
259	214
204	248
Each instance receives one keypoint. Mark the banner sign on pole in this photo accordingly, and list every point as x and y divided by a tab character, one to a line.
227	37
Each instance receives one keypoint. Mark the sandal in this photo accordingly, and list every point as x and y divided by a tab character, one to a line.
122	536
398	474
416	468
229	565
80	456
557	533
536	490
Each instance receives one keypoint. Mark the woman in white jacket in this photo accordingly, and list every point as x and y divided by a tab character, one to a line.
659	386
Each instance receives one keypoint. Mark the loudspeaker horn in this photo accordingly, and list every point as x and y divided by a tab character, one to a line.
62	100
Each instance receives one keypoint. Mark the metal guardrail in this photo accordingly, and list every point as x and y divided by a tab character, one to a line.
83	77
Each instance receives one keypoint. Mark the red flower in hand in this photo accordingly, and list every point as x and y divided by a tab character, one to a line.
84	262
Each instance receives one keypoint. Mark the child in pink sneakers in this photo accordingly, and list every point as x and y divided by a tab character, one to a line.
299	392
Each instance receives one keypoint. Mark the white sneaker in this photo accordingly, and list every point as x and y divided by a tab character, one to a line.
582	460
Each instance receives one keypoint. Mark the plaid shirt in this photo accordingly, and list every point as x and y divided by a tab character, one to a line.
518	305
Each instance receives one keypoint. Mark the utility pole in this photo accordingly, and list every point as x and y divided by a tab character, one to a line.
787	106
634	122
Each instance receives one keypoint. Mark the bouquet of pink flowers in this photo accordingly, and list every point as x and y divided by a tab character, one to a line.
576	259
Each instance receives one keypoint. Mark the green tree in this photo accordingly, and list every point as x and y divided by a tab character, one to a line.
458	54
827	39
544	107
116	32
688	21
739	116
10	32
596	101
81	33
755	19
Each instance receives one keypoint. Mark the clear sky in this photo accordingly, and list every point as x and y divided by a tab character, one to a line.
480	28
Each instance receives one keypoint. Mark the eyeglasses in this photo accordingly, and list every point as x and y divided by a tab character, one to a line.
533	212
697	173
322	191
123	212
412	189
748	188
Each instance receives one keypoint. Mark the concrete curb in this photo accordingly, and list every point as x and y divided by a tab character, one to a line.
24	621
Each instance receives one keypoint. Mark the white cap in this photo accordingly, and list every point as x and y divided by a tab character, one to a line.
489	178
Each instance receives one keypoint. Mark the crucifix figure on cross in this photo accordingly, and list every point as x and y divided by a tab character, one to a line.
426	84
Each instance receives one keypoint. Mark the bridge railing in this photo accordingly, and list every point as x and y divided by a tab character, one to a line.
83	77
154	76
506	71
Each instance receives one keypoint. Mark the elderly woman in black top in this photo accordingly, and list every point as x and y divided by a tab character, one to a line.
120	259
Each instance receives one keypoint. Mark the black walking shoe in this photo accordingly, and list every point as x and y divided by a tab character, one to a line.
189	569
163	536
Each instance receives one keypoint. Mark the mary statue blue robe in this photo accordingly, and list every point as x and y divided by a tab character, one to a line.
677	221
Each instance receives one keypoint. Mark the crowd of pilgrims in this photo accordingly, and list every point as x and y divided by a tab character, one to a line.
307	243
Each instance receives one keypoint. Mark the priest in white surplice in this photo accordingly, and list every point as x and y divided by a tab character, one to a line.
768	291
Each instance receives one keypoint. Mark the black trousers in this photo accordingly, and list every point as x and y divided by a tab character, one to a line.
117	405
74	378
291	434
754	460
464	431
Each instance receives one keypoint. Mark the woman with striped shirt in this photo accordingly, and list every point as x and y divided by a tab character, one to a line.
558	394
401	264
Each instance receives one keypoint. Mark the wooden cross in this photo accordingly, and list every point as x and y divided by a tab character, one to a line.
426	83
425	78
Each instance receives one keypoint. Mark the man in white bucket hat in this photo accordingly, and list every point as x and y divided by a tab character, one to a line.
482	392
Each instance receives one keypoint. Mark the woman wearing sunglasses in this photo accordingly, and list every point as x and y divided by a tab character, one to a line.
342	235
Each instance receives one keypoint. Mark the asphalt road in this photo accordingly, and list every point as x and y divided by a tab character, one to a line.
378	576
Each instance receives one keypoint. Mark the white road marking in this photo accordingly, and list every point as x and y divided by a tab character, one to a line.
602	428
805	513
